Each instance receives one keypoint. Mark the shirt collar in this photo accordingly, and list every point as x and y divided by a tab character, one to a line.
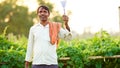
38	24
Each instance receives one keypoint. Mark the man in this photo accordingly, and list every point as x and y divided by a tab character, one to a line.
43	39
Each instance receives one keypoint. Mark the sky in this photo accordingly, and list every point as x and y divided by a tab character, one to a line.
92	15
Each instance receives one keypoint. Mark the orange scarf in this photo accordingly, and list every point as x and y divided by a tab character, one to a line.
54	29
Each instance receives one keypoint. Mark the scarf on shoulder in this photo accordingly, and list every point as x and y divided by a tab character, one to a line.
54	29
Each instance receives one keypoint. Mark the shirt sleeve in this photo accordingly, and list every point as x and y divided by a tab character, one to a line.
29	52
66	35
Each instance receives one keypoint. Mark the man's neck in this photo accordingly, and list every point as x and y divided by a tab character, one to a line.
44	23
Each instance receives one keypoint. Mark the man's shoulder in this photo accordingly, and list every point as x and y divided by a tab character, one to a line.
33	26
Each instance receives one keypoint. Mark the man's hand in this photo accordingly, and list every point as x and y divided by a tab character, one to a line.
66	19
26	64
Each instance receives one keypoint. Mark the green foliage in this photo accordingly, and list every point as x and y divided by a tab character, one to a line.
11	54
13	49
102	44
105	45
12	59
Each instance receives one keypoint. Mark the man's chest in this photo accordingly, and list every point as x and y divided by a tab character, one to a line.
41	33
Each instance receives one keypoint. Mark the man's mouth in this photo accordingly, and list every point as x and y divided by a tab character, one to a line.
42	16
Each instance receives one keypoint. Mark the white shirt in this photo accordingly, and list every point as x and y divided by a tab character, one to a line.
39	49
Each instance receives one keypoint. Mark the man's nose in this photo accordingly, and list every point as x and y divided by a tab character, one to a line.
42	12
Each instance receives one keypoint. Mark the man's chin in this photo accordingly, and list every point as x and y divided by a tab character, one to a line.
43	20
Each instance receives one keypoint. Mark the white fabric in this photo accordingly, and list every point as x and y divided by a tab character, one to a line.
39	49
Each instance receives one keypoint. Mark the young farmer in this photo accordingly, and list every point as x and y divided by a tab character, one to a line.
43	39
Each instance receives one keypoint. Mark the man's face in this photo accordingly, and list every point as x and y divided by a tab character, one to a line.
43	14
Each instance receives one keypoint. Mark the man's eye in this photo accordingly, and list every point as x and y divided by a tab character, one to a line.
40	11
45	11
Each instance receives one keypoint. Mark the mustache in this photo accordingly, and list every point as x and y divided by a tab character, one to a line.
42	16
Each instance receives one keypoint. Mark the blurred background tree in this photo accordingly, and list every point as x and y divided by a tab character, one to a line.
16	17
19	19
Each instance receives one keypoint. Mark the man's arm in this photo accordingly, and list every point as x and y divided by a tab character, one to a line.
29	52
66	19
66	33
